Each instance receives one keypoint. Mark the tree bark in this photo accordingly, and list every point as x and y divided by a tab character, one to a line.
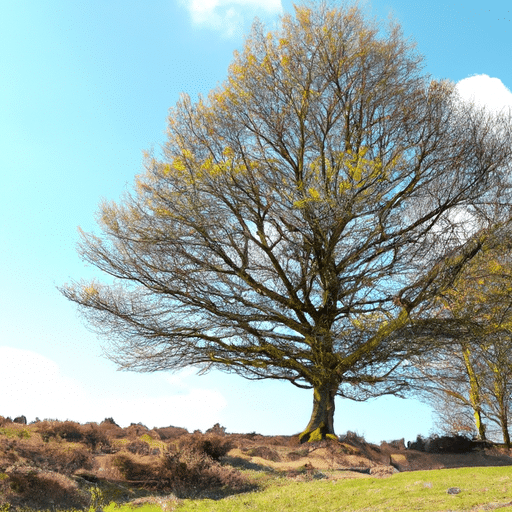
506	435
321	424
474	393
480	425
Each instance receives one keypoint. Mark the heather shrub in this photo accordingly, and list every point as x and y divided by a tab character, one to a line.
139	447
352	438
95	438
68	430
186	472
171	433
192	473
212	445
135	430
398	444
443	444
419	444
217	430
64	459
111	429
43	490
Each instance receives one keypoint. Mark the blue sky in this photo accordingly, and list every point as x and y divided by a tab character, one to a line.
85	87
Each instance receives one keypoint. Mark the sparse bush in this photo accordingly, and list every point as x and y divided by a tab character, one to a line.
95	438
217	430
418	445
111	429
68	430
352	437
213	446
139	447
44	490
191	473
168	433
443	444
110	421
59	458
135	430
449	444
398	444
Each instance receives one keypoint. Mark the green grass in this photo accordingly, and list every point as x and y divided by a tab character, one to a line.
411	491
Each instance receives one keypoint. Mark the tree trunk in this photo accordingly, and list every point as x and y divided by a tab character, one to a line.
499	391
474	393
503	416
506	435
321	424
480	425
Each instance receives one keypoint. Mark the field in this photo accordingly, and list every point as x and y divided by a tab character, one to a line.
480	489
52	465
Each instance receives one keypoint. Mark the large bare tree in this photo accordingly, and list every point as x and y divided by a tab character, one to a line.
297	216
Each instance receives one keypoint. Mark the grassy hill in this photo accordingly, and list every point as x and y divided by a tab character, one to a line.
54	465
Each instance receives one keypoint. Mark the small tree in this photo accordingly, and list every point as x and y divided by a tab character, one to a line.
298	215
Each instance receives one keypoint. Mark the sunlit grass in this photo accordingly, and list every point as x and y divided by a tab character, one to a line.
421	490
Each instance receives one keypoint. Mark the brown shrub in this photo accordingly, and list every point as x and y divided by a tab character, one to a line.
96	438
56	457
68	430
43	490
278	441
111	429
398	444
217	429
190	474
139	447
135	430
212	445
170	433
186	472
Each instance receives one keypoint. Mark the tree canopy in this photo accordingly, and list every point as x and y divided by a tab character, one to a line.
298	214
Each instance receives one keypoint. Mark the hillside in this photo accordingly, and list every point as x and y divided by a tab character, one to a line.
65	465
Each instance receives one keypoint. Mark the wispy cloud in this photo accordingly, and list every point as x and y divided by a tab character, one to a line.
230	16
485	91
34	385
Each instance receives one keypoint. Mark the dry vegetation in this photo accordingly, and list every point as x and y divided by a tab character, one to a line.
54	465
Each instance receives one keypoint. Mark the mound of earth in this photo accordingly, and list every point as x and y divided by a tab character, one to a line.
352	457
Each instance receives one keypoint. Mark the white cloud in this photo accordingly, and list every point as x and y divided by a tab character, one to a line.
31	382
229	16
485	91
34	386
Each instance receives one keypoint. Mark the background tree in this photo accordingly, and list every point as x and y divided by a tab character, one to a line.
473	370
298	215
